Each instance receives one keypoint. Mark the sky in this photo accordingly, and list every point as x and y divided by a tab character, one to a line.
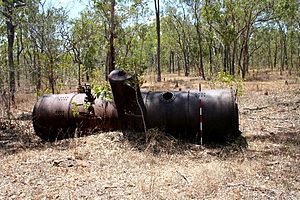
76	6
73	6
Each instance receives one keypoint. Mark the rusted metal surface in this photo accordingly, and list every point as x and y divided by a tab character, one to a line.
190	115
178	113
51	117
128	100
57	116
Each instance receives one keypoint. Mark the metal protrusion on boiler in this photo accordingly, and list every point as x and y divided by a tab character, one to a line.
128	99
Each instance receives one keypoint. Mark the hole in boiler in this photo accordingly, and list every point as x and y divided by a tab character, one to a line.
121	73
167	96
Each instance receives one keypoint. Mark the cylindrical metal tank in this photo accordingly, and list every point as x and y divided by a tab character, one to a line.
57	116
178	113
191	115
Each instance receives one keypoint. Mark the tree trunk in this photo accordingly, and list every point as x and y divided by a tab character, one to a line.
170	63
201	56
281	55
51	76
8	9
87	75
19	52
232	66
269	53
225	58
245	67
228	64
178	65
275	54
111	38
10	56
210	53
285	50
1	86
299	52
156	4
79	73
240	58
199	38
246	38
107	66
291	55
186	70
38	72
173	61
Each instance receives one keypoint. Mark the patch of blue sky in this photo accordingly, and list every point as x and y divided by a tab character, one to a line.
73	7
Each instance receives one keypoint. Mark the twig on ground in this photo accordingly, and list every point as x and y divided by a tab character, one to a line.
256	108
180	174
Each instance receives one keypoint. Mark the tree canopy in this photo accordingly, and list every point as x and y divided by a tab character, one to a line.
45	48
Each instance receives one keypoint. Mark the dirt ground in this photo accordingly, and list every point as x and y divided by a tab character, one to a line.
262	164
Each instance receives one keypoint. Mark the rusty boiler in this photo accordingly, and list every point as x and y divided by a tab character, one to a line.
210	115
62	116
190	115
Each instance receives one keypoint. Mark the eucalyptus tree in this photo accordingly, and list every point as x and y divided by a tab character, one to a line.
235	22
195	7
287	19
2	53
157	17
123	28
107	12
297	28
222	18
9	10
170	48
132	54
29	42
180	20
82	42
150	46
48	46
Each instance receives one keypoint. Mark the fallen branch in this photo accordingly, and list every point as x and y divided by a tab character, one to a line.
272	163
257	108
180	174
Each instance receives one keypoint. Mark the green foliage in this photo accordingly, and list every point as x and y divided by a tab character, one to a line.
225	77
132	65
59	87
103	91
74	109
47	91
231	81
38	93
51	46
87	105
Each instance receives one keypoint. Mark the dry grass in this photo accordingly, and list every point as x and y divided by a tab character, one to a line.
263	164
